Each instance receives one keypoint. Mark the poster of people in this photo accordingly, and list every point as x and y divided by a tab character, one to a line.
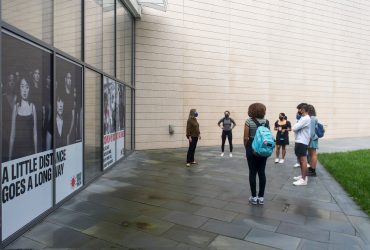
109	122
26	162
68	115
120	121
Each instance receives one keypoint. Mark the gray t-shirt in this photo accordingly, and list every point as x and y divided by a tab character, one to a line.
226	123
253	127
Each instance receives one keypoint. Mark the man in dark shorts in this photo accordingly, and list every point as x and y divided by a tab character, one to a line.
302	139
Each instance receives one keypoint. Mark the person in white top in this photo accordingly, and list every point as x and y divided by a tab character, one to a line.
302	130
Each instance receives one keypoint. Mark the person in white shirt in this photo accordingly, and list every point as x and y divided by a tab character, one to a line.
302	130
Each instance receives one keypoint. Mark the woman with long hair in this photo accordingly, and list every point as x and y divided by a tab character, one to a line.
23	133
192	134
60	124
282	126
314	142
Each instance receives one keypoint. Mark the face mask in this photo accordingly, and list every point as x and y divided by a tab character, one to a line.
196	114
298	116
281	118
227	115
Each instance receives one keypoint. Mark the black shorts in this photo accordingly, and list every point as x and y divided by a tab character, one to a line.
300	149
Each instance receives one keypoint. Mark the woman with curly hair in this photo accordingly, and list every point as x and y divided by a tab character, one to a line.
256	164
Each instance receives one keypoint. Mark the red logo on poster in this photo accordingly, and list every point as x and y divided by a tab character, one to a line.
73	182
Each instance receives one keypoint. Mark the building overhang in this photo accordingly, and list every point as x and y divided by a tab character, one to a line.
155	4
135	6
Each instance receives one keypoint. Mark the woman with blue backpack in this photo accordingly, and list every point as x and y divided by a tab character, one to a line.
259	144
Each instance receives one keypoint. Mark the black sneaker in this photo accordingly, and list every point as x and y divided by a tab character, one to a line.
311	173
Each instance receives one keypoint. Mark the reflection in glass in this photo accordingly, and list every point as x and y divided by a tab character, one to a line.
67	26
33	17
124	44
108	36
93	136
94	32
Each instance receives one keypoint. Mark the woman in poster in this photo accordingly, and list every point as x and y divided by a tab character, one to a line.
9	99
107	115
23	133
61	126
47	115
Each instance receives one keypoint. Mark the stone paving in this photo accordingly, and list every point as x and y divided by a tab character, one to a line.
153	201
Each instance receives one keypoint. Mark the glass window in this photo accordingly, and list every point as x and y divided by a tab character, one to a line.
93	151
120	120
128	134
26	133
33	17
124	44
67	26
94	32
68	124
109	122
108	36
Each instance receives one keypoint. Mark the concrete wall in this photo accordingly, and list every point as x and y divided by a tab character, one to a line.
215	55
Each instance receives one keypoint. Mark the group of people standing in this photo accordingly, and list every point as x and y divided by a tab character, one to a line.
306	143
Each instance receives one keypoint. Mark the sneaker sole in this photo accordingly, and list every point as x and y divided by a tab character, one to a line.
299	184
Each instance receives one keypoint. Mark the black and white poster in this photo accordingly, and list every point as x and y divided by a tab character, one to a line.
120	121
27	161
68	115
109	122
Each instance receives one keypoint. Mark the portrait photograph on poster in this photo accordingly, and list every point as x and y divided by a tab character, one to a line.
26	133
120	121
26	99
109	122
68	116
68	110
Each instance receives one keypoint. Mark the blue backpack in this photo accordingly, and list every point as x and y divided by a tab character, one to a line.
263	143
319	130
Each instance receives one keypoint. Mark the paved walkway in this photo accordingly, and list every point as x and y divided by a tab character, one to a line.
152	201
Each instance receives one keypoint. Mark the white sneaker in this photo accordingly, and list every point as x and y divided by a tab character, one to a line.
253	200
281	161
222	154
276	160
297	165
261	200
301	182
296	178
231	155
308	165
